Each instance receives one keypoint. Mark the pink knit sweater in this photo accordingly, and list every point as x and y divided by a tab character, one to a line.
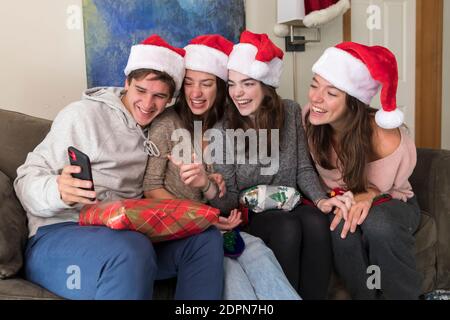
389	174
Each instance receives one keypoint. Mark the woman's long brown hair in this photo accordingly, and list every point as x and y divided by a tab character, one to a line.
354	149
213	115
270	115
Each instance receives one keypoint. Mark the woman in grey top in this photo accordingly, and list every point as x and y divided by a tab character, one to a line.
255	274
300	239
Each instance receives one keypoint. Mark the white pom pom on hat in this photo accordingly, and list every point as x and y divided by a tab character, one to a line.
318	13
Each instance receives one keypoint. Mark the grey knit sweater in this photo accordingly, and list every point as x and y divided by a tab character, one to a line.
295	166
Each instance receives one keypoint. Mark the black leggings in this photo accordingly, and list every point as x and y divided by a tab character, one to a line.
300	240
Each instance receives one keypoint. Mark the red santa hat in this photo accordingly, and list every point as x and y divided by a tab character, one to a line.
209	53
155	53
360	70
257	57
318	12
313	13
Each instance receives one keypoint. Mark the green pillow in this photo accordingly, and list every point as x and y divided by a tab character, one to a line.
13	229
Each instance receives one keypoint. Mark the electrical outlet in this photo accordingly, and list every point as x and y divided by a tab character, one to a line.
294	47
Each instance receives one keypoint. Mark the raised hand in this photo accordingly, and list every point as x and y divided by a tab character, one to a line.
192	174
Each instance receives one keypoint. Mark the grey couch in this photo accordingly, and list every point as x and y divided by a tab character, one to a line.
20	133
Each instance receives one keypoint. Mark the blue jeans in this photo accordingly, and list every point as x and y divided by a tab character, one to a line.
256	274
93	262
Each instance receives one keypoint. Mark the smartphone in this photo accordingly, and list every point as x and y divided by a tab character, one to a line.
78	158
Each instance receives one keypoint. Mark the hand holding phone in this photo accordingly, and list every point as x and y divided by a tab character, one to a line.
78	158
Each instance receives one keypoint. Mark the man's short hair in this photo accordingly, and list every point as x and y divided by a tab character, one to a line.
140	74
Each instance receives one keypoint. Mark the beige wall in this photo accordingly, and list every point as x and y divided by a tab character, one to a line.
261	16
42	62
446	79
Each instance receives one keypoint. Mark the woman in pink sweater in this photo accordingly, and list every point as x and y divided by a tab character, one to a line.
369	153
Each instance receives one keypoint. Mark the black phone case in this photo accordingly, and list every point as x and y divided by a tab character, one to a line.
78	158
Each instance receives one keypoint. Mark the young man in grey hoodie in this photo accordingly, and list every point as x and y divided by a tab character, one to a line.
110	125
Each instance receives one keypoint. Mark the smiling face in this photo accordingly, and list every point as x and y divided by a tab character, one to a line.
146	98
246	93
327	103
200	90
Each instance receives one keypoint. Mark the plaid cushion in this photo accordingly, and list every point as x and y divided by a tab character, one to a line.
159	219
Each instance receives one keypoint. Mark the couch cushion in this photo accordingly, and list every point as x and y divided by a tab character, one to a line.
19	134
18	289
426	238
13	229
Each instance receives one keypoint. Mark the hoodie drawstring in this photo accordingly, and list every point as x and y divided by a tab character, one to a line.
151	149
149	146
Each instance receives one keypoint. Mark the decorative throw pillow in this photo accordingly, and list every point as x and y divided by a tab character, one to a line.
266	197
159	219
13	229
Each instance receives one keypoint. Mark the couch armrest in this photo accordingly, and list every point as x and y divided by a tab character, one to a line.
19	134
431	183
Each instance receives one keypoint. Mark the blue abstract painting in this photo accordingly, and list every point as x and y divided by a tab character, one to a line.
111	27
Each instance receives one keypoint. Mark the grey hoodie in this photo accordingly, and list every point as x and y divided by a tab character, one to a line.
100	126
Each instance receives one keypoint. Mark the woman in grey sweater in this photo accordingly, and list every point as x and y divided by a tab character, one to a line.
300	239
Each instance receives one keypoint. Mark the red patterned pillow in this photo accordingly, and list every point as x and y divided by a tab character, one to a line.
159	219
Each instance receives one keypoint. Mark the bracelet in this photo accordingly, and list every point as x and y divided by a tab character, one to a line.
380	196
317	202
207	187
379	199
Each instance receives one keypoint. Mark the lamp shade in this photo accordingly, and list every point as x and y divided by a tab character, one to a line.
290	11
